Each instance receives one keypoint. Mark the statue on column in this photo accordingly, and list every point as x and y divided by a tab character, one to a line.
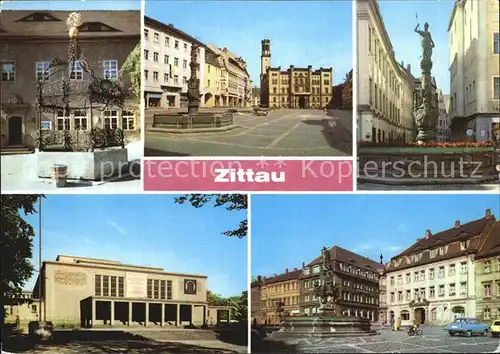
426	41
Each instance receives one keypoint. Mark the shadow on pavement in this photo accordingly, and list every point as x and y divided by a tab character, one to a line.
337	136
155	152
100	341
272	346
236	334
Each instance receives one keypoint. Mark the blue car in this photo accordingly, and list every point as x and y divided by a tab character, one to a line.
467	326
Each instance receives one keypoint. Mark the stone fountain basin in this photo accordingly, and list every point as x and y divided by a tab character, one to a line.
324	326
426	165
201	121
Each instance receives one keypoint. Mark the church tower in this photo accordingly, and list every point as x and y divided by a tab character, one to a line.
265	63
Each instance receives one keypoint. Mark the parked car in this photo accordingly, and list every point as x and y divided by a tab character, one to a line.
467	326
495	329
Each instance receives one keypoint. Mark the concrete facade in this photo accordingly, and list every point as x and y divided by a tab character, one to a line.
30	40
94	292
434	280
23	309
474	37
384	88
167	54
294	87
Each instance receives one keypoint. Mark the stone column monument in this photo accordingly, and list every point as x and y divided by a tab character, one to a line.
325	289
193	93
427	113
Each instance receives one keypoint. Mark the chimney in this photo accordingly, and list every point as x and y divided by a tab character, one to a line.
259	278
457	224
408	68
418	239
428	234
286	271
303	264
487	214
402	63
170	25
294	269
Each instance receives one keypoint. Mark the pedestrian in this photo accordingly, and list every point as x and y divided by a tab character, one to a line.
398	324
392	323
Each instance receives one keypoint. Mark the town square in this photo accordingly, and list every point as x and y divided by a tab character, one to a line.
431	282
214	88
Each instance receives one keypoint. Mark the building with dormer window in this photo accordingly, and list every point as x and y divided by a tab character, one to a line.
30	40
357	278
434	280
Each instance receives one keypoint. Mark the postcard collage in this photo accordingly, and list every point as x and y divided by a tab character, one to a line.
257	176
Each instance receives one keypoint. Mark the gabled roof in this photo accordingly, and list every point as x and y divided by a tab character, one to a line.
294	274
342	255
171	30
491	245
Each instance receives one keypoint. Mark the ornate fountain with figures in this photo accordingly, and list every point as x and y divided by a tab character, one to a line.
68	86
193	121
327	322
426	161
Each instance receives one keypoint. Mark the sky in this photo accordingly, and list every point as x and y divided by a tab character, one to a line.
400	18
145	230
302	33
71	5
290	229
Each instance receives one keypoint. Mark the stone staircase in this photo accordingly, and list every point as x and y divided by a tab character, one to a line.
15	150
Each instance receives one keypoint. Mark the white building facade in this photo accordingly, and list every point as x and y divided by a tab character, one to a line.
474	38
434	293
167	55
384	89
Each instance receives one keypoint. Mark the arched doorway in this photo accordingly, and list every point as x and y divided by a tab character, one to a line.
302	102
458	311
420	315
209	101
15	131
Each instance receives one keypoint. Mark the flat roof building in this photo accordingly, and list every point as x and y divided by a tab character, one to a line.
95	292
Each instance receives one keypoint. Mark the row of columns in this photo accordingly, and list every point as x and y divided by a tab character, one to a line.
146	314
360	313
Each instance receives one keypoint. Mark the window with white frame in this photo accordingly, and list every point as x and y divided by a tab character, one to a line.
8	71
486	314
496	43
63	120
42	70
487	266
156	37
463	268
128	120
111	69
486	290
441	290
496	87
452	289
432	292
111	119
76	70
451	270
463	288
80	120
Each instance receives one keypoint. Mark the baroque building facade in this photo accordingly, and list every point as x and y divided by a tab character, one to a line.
433	281
294	87
474	38
30	40
357	278
384	87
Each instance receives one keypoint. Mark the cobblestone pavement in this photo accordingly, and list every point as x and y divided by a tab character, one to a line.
437	187
434	340
285	132
19	173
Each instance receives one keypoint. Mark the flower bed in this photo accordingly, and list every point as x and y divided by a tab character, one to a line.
436	144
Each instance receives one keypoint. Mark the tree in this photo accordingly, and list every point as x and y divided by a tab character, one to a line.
132	68
16	243
239	306
229	201
216	299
